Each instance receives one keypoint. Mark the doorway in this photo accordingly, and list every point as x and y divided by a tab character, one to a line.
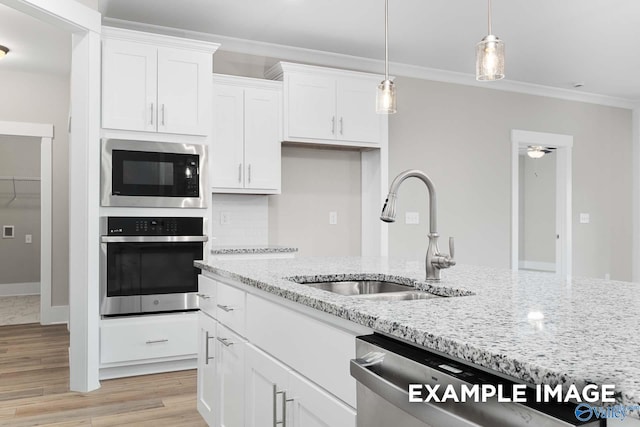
558	149
43	136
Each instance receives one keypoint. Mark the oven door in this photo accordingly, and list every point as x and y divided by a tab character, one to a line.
144	274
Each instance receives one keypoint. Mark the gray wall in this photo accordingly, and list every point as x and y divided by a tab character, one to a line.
460	135
19	262
538	208
44	98
315	182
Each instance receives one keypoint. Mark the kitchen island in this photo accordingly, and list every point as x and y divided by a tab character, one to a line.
532	327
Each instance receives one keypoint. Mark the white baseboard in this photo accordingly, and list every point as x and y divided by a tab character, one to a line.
109	372
54	314
537	265
19	289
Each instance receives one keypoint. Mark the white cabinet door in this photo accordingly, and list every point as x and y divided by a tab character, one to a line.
262	138
357	117
229	378
129	82
266	382
206	367
227	146
311	106
312	406
184	85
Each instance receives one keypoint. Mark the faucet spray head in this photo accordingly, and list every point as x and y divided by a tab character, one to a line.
389	209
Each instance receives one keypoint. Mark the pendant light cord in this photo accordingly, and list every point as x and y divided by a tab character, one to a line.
386	39
489	20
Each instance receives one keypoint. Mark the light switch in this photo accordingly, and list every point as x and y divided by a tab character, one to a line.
333	218
28	238
412	217
584	218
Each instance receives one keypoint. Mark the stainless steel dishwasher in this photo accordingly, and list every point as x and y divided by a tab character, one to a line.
385	367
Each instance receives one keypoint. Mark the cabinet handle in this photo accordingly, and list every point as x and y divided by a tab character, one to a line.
225	342
239	172
206	357
157	341
152	114
341	126
275	407
162	114
249	173
333	125
226	308
203	296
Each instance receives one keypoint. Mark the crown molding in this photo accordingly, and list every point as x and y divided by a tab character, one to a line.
368	65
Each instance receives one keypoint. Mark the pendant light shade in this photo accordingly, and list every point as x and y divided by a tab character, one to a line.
386	94
3	51
490	56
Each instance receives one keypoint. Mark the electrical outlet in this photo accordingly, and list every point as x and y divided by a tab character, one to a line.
412	217
28	238
225	218
333	218
584	218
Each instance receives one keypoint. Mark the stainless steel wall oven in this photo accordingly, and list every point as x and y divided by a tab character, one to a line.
153	174
146	264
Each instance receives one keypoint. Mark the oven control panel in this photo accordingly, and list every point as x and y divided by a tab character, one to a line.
154	226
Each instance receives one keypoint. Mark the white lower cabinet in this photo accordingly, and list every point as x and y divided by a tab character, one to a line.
230	349
254	384
206	367
276	395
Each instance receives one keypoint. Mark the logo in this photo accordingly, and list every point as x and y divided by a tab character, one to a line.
583	412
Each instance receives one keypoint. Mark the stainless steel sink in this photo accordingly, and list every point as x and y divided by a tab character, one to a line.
372	289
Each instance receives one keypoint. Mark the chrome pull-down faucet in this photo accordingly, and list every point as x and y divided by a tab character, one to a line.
436	261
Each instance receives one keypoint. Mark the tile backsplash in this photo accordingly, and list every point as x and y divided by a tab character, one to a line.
239	219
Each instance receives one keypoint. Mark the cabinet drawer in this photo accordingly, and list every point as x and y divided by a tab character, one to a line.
207	295
149	337
230	308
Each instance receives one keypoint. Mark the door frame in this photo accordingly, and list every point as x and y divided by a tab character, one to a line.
45	133
563	145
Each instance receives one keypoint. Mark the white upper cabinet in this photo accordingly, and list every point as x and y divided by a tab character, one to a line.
329	106
247	132
155	83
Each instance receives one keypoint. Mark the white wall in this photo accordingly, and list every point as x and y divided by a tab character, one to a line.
460	136
44	98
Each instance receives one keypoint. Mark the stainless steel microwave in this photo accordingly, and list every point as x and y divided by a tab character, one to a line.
153	174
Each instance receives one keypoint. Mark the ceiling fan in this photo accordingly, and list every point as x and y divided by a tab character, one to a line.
537	151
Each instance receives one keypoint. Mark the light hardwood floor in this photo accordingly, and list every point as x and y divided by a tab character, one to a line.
34	391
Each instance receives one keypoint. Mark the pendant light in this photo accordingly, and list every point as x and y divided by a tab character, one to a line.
490	56
386	95
3	51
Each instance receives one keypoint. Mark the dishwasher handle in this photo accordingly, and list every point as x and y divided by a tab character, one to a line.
399	397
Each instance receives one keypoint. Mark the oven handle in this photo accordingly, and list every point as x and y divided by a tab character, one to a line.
399	397
152	239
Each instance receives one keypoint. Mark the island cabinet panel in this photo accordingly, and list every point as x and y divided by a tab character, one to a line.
156	83
247	132
275	393
229	387
330	106
319	351
206	367
230	308
207	295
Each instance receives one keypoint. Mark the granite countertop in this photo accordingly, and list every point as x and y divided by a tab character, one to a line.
251	249
532	326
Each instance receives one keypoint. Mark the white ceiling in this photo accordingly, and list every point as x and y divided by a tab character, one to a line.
548	42
35	46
